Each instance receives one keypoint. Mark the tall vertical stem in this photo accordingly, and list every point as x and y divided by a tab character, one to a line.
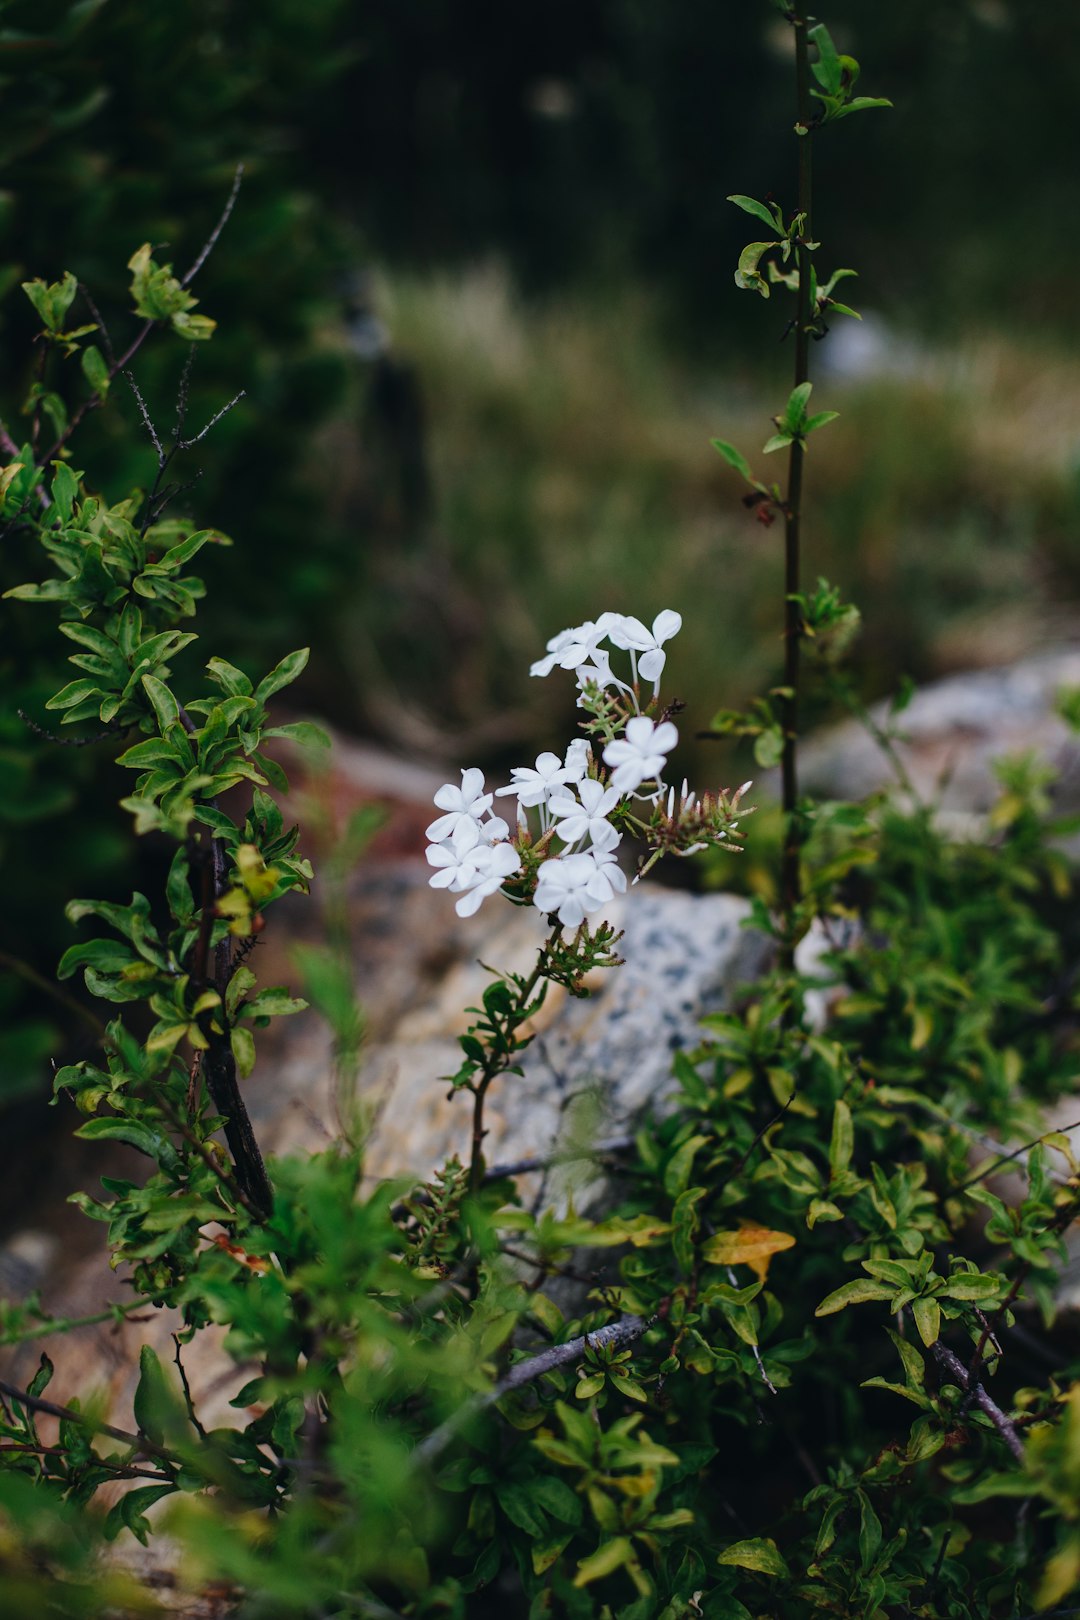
790	880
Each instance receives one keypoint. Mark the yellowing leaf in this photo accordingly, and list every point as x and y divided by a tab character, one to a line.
751	1245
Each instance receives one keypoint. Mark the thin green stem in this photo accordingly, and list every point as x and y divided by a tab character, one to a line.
790	877
66	1324
497	1062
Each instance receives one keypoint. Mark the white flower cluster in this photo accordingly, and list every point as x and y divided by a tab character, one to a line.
574	799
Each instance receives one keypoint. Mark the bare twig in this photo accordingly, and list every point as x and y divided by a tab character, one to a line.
186	444
188	1402
610	1145
147	419
1006	1158
118	1471
71	742
100	319
66	1324
148	326
228	1180
625	1331
212	239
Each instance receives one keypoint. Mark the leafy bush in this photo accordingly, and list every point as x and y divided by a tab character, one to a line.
805	1248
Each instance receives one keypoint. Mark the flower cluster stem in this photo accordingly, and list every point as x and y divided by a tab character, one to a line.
500	1059
790	878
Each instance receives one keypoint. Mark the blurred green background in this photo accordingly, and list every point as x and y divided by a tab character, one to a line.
478	290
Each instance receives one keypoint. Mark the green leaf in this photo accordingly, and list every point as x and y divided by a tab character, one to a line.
136	1135
927	1314
734	458
243	1049
769	217
863	104
826	69
65	487
869	1531
282	674
303	732
274	1003
759	1553
819	420
556	1497
748	276
157	1406
859	1292
164	704
972	1285
779	441
677	1172
546	1553
128	1513
914	1371
588	1387
95	371
241	982
608	1557
842	1144
516	1502
74	693
42	1377
769	747
38	293
795	409
196	328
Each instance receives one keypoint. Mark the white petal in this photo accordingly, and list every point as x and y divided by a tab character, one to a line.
630	632
441	829
651	664
666	624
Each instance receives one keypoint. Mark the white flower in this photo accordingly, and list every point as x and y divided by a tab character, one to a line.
588	819
536	786
571	648
578	759
493	864
563	886
455	858
598	673
463	805
494	830
632	634
609	877
641	755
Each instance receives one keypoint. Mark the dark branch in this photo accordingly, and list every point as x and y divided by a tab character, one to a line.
625	1331
212	239
981	1397
69	1415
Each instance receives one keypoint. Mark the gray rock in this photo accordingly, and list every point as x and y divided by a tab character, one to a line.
954	730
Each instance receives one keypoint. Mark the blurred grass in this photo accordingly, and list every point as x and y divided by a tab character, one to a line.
572	472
